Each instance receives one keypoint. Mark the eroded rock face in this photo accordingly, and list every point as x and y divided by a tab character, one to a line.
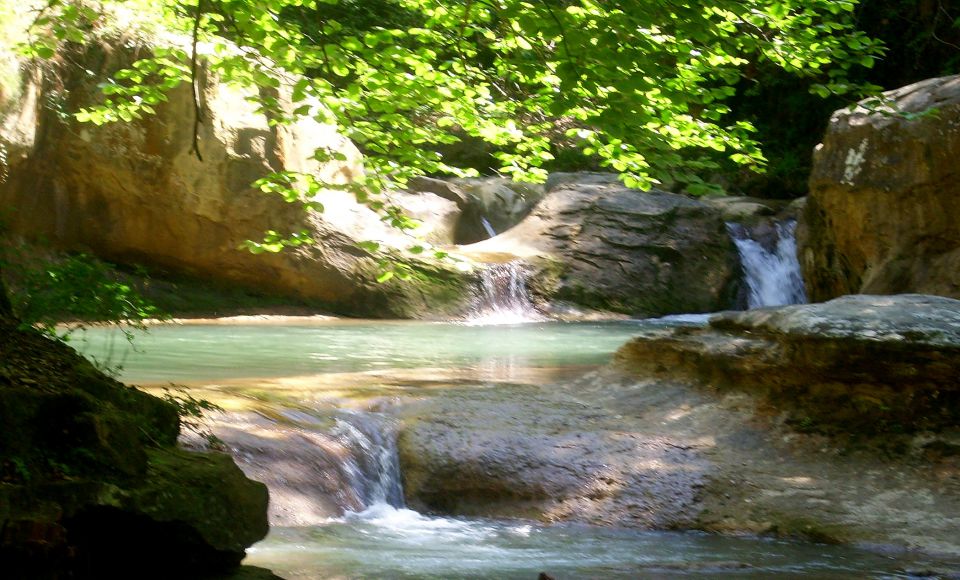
541	453
884	196
91	481
856	363
601	245
137	193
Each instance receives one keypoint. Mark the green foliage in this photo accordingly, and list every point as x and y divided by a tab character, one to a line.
645	83
641	87
78	289
922	41
191	412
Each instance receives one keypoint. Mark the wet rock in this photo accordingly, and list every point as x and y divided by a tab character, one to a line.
502	203
756	424
306	469
883	197
479	453
598	244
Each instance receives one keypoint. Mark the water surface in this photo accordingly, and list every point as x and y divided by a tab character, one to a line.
389	541
213	352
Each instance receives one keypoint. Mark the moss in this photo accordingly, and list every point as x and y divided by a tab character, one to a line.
90	480
548	271
435	289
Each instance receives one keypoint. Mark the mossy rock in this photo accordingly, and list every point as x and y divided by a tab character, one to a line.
91	481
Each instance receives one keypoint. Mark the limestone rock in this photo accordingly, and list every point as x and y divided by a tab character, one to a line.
742	209
490	202
91	483
601	245
884	196
136	193
780	421
857	363
501	202
542	454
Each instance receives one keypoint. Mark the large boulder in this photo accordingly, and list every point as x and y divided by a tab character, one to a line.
599	244
884	196
91	481
856	363
136	192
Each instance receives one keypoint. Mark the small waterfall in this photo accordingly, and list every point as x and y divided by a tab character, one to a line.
503	297
770	265
316	466
373	464
487	227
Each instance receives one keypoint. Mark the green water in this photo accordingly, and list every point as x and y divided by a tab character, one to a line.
392	542
212	352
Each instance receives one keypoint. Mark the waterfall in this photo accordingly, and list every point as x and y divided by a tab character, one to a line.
487	227
317	466
373	464
770	266
503	297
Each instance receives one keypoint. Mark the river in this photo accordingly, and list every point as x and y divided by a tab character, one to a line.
327	382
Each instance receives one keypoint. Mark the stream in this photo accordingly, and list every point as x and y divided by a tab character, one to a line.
328	388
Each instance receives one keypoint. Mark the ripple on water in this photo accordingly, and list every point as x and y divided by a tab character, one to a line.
384	541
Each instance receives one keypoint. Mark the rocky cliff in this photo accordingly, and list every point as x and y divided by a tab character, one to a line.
136	192
884	196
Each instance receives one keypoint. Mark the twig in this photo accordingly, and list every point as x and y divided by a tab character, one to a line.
194	87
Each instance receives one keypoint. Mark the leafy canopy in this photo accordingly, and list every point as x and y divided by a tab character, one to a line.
641	85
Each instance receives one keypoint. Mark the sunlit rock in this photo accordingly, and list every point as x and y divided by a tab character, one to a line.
884	196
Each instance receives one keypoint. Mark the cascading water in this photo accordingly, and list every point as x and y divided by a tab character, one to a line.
335	494
772	270
487	227
503	297
373	465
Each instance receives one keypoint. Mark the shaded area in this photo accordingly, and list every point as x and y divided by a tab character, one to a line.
89	466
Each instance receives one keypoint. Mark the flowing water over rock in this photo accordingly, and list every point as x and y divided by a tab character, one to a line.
375	467
487	227
770	266
503	297
325	443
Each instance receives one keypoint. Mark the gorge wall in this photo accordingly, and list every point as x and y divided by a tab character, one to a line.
884	196
135	192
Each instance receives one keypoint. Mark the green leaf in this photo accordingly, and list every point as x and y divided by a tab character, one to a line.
44	51
369	246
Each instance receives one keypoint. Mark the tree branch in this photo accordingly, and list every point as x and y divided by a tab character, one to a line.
194	86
